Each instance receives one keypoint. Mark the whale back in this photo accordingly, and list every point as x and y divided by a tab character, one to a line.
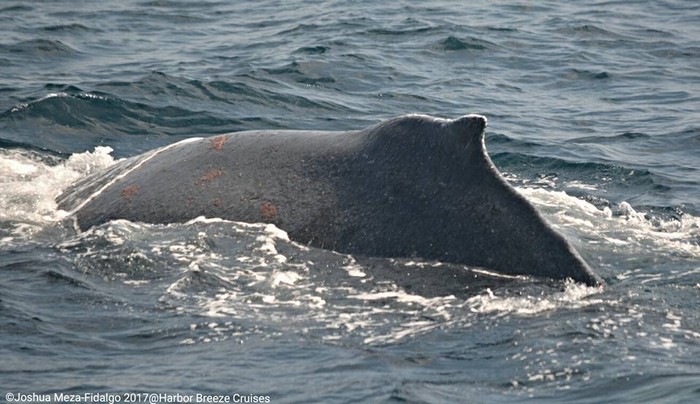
413	186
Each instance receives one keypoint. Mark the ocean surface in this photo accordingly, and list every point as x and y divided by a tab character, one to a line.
594	115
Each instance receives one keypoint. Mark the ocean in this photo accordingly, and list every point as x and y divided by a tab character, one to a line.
594	116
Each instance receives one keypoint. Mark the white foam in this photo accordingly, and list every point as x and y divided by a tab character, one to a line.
30	185
497	274
353	269
434	264
403	297
575	295
269	239
581	185
287	278
628	228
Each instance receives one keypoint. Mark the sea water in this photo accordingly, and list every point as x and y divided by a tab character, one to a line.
594	116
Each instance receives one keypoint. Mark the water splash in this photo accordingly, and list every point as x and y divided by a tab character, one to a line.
31	182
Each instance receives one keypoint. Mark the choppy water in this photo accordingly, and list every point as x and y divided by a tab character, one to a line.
594	115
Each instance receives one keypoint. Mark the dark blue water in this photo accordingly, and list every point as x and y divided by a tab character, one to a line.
594	115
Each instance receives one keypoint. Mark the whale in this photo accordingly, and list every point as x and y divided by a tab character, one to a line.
414	186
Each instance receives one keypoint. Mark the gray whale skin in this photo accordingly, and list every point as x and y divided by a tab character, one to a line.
412	186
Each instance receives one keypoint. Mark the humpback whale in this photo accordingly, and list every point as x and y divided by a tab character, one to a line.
412	186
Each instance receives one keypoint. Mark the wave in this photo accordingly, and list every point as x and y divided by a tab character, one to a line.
555	173
15	8
582	74
313	50
402	31
161	106
591	31
658	168
38	48
682	139
452	43
70	28
623	137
